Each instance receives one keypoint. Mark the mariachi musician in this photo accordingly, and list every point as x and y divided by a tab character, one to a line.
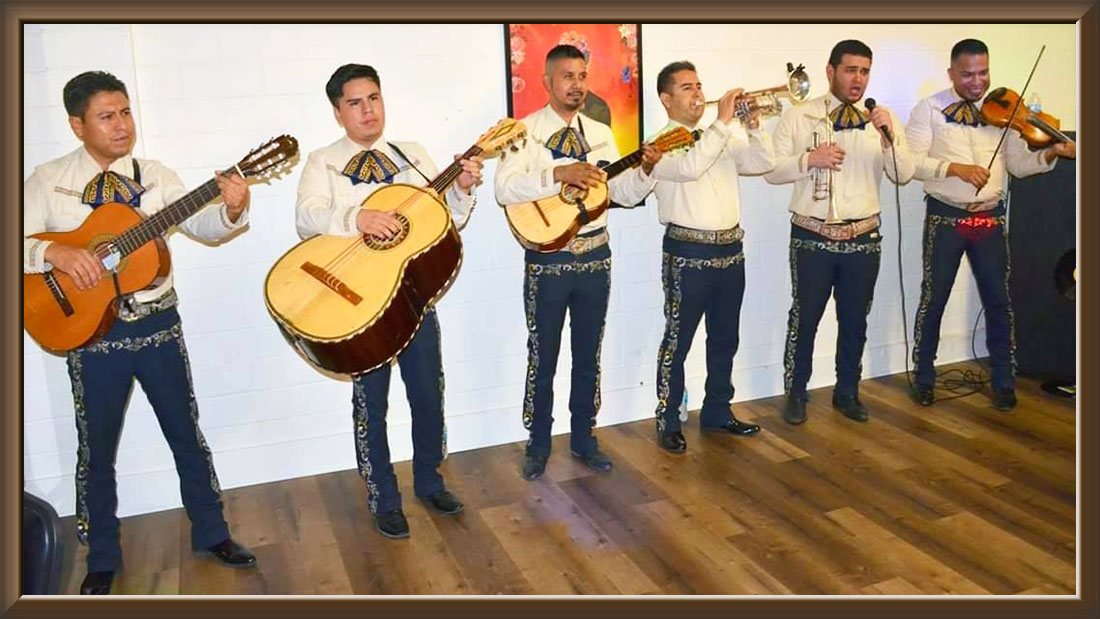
335	181
953	147
565	149
835	150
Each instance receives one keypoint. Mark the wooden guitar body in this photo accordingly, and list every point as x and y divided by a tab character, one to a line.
549	224
57	315
351	304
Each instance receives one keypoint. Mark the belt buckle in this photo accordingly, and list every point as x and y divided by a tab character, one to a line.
578	245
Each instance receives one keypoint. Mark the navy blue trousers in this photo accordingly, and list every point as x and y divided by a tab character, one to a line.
820	268
102	375
421	366
949	233
553	284
699	280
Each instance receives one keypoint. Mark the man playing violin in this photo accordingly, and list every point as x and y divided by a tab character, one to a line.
965	199
146	342
335	181
703	267
567	147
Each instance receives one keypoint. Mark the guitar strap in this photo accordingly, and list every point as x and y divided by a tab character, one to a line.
585	219
406	158
128	299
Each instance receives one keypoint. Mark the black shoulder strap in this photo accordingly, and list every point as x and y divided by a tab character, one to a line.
406	158
137	177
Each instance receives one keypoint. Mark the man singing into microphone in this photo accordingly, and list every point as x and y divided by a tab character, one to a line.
966	213
840	259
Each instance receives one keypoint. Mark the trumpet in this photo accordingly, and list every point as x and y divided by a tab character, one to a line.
766	101
823	178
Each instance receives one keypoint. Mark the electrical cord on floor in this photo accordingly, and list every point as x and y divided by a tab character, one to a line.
959	383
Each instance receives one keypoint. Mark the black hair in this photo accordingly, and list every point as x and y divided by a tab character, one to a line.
664	78
848	46
79	90
334	88
968	46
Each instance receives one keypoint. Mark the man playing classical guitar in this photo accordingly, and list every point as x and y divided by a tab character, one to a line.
703	268
564	149
335	181
146	341
966	214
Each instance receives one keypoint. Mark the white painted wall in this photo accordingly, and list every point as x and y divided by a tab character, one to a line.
203	95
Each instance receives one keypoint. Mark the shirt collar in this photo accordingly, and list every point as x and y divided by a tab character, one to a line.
90	167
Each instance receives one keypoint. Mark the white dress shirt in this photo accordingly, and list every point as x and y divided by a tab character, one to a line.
935	143
52	203
328	201
698	187
529	174
856	184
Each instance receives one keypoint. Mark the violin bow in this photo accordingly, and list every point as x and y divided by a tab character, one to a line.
1015	108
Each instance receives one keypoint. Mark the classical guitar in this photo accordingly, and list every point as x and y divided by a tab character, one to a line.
133	251
351	304
549	224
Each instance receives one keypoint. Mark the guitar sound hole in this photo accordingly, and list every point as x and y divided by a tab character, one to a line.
380	244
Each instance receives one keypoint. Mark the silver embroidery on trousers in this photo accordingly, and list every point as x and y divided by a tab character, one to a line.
671	278
792	324
837	247
359	412
76	378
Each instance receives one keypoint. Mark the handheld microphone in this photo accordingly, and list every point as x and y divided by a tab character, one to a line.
870	103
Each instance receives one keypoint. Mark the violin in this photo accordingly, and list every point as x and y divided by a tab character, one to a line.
1037	128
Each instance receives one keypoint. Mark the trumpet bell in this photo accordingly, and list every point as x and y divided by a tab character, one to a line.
798	83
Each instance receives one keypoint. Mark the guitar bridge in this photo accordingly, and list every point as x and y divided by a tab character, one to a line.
332	282
58	293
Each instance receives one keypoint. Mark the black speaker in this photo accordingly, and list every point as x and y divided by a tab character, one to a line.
1042	230
41	565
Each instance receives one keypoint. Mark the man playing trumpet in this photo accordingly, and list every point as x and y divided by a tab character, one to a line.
835	241
703	267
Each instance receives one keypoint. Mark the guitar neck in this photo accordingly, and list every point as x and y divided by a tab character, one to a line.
173	214
624	164
443	181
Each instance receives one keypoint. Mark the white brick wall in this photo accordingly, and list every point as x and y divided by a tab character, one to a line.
205	94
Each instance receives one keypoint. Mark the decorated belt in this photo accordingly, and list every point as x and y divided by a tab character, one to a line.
836	232
135	311
708	237
584	244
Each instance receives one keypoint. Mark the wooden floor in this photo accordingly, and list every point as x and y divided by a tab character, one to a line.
954	499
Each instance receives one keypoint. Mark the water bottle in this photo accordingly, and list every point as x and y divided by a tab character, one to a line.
684	407
1034	103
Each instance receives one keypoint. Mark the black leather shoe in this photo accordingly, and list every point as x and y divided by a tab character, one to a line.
923	395
738	428
597	461
392	524
672	441
534	466
1004	399
229	553
444	502
794	411
851	407
97	583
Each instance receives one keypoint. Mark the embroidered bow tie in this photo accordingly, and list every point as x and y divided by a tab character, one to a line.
112	187
963	112
567	142
847	116
370	166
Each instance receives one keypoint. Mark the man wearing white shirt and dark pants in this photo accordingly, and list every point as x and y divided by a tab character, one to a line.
565	147
703	267
335	181
146	342
841	259
952	148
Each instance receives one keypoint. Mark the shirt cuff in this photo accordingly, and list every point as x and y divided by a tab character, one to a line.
230	225
37	256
